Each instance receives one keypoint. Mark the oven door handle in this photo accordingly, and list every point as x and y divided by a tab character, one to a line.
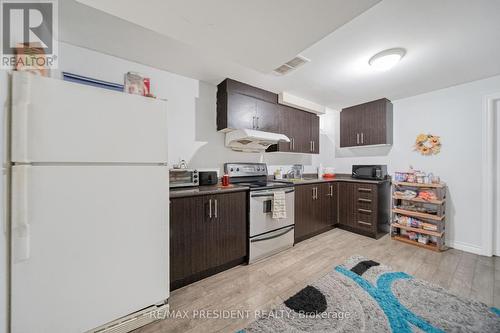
272	237
269	194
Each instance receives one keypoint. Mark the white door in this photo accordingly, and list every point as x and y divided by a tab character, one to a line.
90	245
58	121
496	183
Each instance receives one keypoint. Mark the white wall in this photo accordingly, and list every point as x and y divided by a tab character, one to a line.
192	111
496	180
3	227
454	114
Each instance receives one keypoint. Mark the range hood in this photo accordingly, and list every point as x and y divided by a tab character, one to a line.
253	141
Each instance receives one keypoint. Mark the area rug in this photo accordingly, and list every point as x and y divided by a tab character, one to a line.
365	296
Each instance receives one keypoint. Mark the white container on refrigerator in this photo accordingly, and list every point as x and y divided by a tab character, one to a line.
89	205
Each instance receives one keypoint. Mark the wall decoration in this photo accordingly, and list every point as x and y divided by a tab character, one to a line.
428	144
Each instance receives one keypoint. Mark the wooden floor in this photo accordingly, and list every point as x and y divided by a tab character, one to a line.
264	284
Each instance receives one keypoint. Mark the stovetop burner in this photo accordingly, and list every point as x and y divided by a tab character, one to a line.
253	175
262	185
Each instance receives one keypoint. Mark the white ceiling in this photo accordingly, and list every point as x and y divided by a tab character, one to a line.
448	42
259	34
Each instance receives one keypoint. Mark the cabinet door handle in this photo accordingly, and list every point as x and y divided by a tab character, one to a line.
331	190
365	223
293	141
311	144
210	208
364	189
362	138
253	122
313	192
364	200
216	204
361	210
314	146
257	122
357	138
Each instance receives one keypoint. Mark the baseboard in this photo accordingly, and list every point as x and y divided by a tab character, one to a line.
179	283
465	247
316	233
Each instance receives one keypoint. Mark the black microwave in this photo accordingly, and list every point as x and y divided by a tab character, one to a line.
375	172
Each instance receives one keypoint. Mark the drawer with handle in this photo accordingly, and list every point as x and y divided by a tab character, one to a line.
364	203
365	218
366	191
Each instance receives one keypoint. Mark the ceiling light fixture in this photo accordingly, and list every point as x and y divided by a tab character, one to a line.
387	59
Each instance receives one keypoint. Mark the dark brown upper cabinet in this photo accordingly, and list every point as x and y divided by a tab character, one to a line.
240	105
314	133
301	127
366	124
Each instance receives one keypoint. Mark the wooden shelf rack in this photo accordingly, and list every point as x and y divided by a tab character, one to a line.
418	214
426	185
403	239
437	202
403	206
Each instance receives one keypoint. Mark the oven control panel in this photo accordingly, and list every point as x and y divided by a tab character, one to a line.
245	169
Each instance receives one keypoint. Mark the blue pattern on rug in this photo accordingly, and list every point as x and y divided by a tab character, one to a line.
398	315
381	300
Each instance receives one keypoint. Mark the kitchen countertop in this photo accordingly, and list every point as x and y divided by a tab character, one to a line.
312	179
218	189
205	190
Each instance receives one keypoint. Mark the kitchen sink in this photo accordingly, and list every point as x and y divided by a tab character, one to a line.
299	180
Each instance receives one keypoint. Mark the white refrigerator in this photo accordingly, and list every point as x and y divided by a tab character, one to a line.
89	207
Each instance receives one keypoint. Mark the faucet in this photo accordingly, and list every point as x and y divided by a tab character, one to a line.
296	171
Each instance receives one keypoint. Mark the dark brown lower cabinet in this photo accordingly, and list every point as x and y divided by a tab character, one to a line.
328	194
315	209
347	202
364	207
208	234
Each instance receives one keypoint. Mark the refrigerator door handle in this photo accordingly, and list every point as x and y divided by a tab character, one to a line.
20	217
20	114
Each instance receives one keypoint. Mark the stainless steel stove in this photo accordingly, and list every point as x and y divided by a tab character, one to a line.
259	185
267	235
253	175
